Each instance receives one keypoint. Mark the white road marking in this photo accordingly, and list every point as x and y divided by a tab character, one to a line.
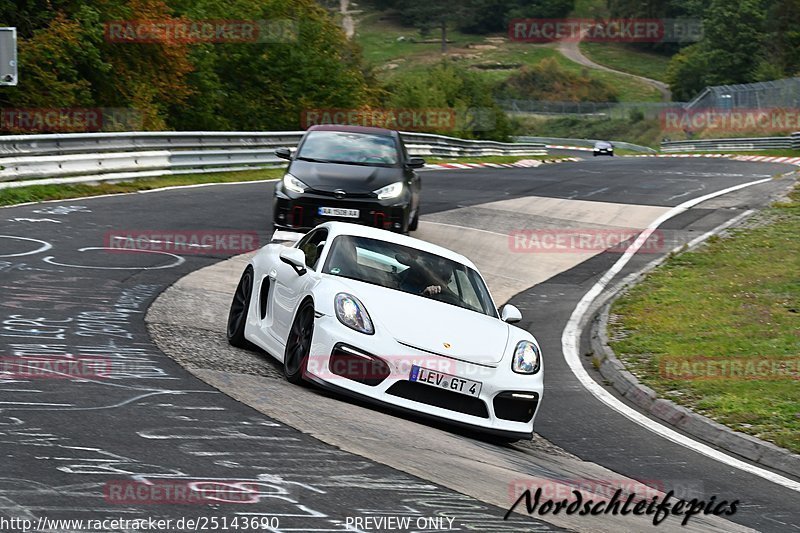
571	337
690	191
43	248
178	259
697	240
504	235
34	220
171	188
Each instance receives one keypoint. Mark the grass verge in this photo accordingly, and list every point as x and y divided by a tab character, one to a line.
627	59
39	193
735	300
390	48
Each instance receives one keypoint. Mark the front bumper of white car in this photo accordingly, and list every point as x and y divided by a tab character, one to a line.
378	368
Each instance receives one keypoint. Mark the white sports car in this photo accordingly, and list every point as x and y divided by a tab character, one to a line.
392	319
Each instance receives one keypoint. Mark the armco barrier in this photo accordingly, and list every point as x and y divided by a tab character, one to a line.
734	144
89	157
584	143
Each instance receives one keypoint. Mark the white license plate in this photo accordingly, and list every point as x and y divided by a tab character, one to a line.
445	381
338	212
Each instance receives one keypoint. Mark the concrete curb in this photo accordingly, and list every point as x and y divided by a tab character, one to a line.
736	157
524	163
696	425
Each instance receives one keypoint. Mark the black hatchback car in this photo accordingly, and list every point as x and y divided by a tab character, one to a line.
350	173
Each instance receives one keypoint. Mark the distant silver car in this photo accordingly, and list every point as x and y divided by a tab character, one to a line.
603	148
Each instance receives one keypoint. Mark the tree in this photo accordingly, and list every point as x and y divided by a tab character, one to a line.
466	93
729	53
267	85
781	52
427	15
733	40
686	73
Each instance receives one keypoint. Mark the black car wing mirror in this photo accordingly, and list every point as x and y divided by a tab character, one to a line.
284	153
415	162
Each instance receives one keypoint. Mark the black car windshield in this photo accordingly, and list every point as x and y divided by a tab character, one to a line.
410	270
353	148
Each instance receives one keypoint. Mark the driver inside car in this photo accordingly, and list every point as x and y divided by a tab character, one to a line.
426	280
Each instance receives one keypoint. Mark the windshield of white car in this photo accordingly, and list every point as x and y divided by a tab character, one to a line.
350	148
410	270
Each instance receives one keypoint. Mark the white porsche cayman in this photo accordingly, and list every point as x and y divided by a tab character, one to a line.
393	319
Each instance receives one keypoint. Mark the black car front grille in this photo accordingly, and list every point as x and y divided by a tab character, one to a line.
331	194
518	408
356	365
445	399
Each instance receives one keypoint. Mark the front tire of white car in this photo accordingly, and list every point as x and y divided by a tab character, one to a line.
298	345
237	316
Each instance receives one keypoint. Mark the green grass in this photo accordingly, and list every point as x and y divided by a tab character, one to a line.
627	59
738	297
628	89
378	36
38	193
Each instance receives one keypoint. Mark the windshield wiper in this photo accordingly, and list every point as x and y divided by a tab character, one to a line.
336	162
312	160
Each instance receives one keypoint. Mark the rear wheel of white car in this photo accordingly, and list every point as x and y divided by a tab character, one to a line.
298	345
237	316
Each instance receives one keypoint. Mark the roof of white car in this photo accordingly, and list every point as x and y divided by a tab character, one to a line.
344	228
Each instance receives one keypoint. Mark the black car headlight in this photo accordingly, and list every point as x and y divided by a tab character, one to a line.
393	190
293	184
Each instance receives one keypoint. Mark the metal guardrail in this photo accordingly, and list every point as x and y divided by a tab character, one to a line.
588	143
734	144
90	157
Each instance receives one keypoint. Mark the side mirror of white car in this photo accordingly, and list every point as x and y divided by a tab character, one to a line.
295	258
510	314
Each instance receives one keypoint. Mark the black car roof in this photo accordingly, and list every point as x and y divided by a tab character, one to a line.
356	129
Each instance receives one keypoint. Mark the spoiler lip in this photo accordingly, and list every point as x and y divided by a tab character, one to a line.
286	237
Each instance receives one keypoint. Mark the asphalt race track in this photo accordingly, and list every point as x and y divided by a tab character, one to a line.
72	445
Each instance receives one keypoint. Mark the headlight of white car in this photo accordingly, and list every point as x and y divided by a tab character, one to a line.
293	184
352	313
390	191
527	358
